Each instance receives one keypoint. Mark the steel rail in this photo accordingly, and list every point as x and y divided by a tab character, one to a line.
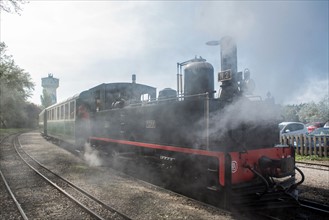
18	205
76	187
312	164
314	206
91	212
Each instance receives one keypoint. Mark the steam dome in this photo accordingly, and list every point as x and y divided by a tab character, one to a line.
199	78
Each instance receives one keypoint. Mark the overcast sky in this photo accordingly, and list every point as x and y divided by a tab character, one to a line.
86	43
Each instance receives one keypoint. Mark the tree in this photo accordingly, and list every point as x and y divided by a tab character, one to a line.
32	112
313	112
323	107
46	99
10	5
289	113
308	112
15	87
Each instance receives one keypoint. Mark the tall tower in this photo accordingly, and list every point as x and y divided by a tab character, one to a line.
50	84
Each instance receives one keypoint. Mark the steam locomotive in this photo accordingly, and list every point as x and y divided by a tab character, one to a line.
227	145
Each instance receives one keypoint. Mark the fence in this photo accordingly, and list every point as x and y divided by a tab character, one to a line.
307	145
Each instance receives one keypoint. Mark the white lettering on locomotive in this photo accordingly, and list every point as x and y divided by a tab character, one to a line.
150	124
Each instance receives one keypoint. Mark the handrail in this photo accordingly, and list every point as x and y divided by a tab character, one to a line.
179	97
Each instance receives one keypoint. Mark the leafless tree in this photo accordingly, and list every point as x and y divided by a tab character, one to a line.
12	5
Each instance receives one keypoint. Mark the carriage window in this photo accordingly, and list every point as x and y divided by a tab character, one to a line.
145	97
58	113
67	111
53	114
72	110
62	112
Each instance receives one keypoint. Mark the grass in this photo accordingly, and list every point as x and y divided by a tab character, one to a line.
7	131
12	130
311	158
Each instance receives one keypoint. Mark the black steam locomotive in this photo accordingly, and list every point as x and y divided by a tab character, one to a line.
227	145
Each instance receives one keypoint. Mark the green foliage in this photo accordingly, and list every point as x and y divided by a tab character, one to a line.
323	109
6	132
46	99
12	76
31	115
311	158
15	87
307	112
290	113
313	112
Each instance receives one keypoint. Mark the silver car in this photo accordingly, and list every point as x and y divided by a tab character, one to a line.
292	128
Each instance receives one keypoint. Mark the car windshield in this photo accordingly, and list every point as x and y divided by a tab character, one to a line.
281	126
320	131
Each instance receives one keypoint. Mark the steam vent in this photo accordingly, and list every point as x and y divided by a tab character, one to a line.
50	84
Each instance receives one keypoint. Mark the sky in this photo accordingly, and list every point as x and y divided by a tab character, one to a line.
284	44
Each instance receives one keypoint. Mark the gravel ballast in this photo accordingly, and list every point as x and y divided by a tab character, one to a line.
135	198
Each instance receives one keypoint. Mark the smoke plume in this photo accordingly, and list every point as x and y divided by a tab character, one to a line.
91	156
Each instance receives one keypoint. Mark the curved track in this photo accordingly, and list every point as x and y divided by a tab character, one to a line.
313	165
18	205
307	208
81	198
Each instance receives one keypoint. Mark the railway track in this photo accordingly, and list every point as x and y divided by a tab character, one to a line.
83	205
314	210
314	191
307	211
313	165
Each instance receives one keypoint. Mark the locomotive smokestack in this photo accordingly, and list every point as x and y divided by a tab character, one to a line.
228	52
133	78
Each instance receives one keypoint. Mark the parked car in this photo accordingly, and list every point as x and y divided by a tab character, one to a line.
326	125
320	134
292	128
314	125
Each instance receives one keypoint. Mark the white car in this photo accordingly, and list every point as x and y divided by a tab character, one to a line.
326	125
292	128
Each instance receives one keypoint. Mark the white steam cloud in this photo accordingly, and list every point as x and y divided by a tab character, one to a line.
91	156
243	112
